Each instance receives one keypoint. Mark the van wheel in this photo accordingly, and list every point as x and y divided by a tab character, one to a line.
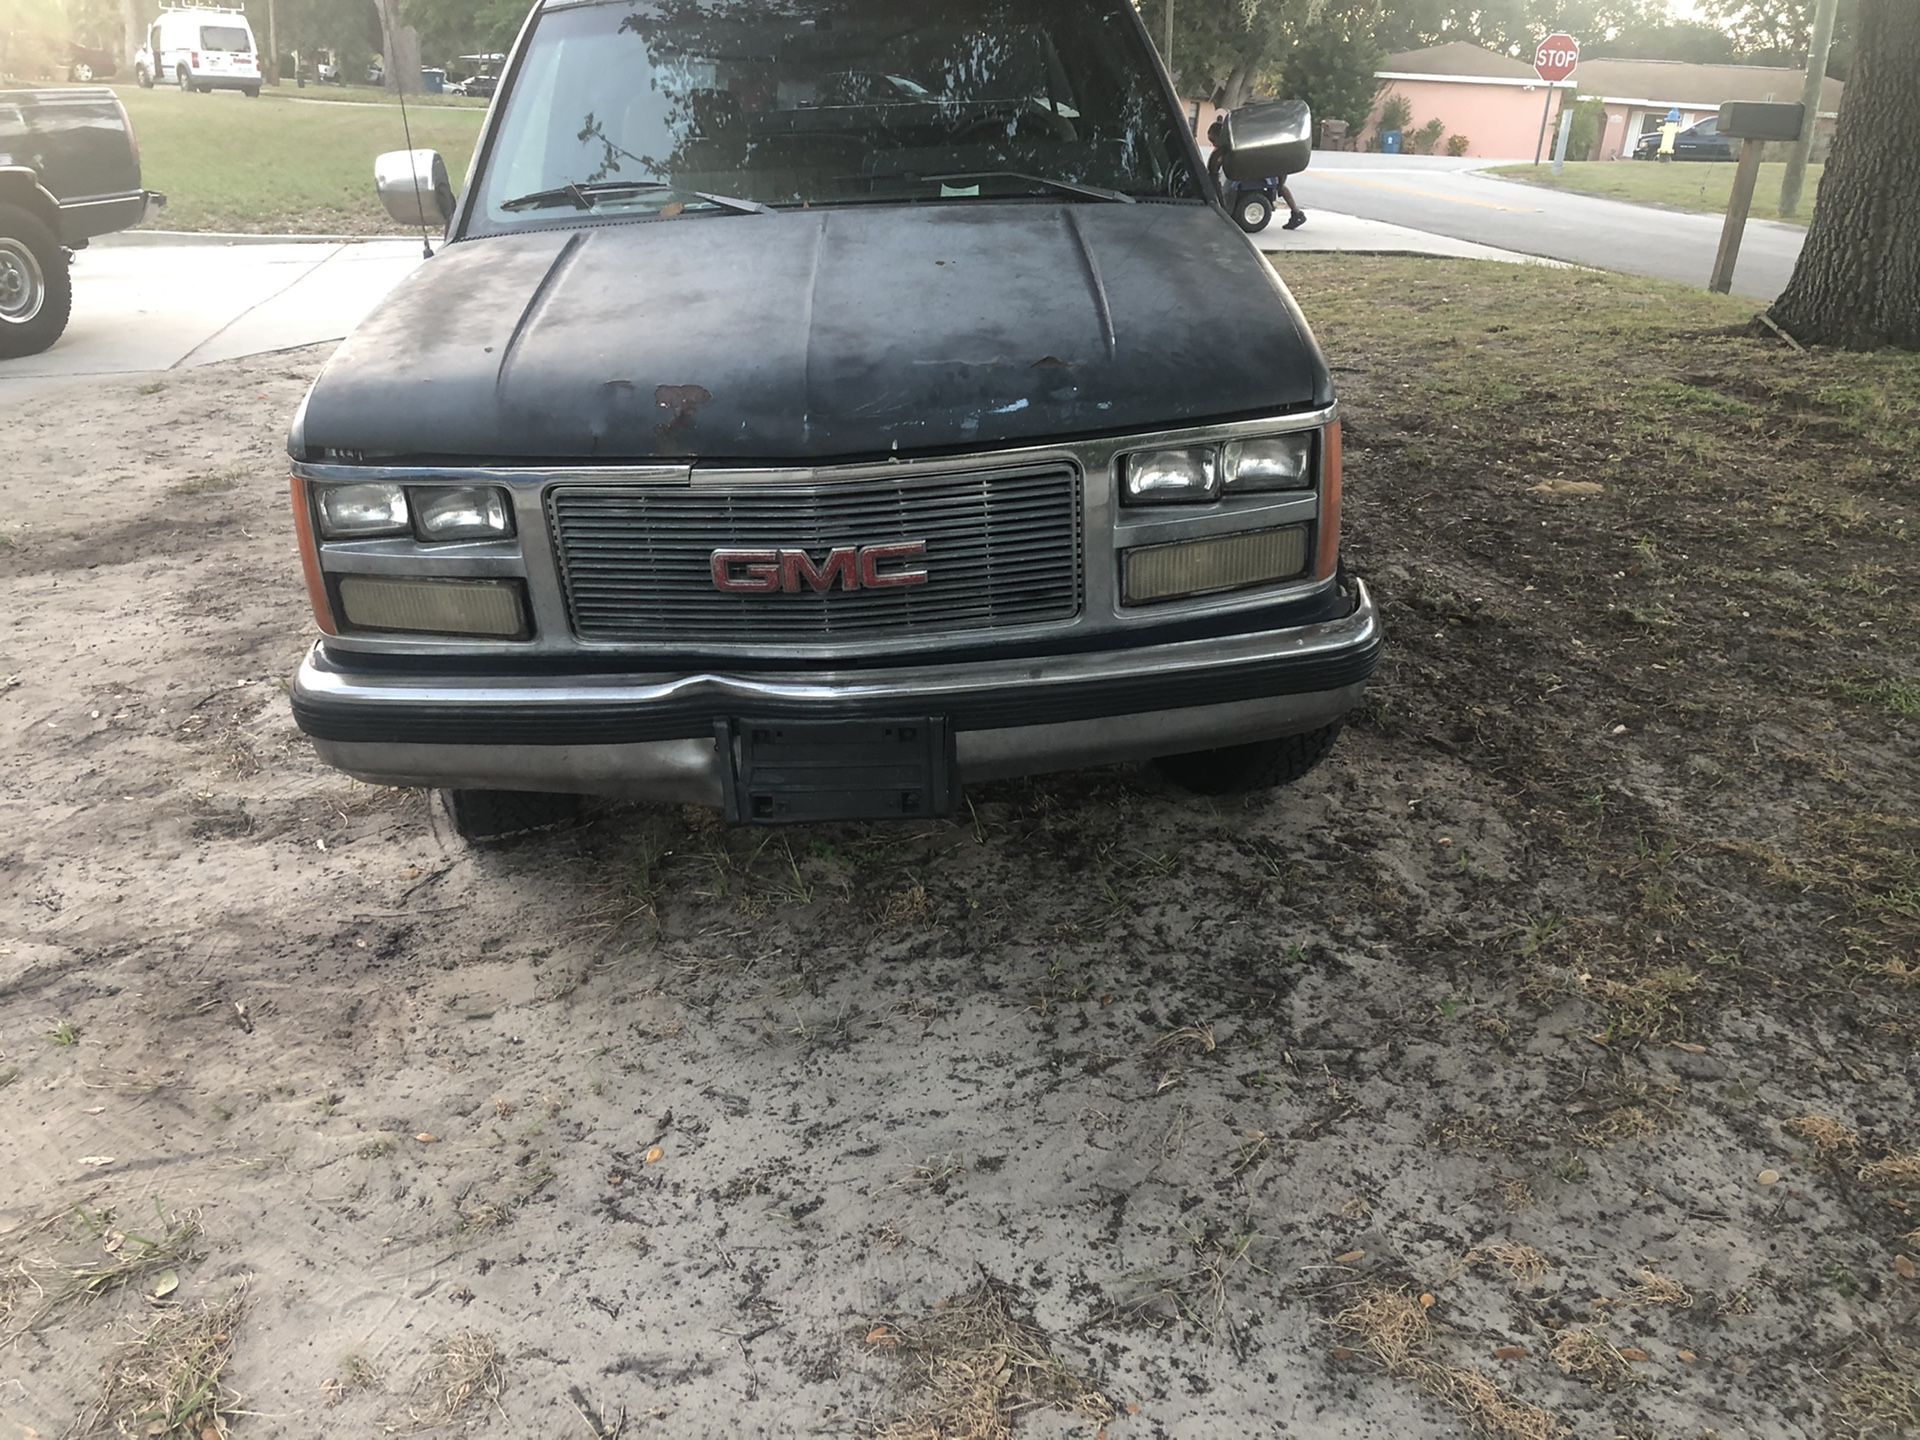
82	74
36	288
145	77
488	817
1252	211
185	79
1240	769
253	92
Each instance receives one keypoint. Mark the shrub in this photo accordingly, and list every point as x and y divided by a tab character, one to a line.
1457	144
1427	138
1396	113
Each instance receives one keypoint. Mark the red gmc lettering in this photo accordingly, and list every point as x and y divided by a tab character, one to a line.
757	572
842	565
847	567
874	578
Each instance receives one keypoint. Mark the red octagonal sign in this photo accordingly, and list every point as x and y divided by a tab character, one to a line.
1556	57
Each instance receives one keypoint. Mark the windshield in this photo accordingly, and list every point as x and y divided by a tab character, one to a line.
226	37
828	102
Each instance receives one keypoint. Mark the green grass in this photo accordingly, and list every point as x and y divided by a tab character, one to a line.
277	166
1683	185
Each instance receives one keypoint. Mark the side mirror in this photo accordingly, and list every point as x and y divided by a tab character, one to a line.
414	188
1272	138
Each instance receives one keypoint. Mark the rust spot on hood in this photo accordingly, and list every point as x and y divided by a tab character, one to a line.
678	404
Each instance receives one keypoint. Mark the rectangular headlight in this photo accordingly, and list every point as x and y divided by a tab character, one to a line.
461	512
1276	462
358	512
1222	562
435	607
1157	477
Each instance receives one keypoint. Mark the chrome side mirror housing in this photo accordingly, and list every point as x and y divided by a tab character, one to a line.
414	188
1271	138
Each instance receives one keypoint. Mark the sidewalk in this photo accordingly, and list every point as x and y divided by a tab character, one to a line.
1327	230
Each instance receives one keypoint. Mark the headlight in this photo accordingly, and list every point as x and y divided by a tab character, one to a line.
1279	462
356	512
1155	477
465	512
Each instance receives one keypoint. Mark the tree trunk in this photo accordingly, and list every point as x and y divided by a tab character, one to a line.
133	24
399	50
1233	94
1857	284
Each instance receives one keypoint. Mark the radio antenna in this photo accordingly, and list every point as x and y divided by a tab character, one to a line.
400	91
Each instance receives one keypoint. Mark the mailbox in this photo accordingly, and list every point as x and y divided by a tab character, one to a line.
1761	120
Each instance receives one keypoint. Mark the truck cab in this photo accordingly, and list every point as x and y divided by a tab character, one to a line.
812	449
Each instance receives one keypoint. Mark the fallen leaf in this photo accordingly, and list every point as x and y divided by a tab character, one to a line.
656	1155
1352	1257
1905	1268
1634	1352
168	1282
427	1137
1341	1352
881	1335
96	1109
1689	1047
1769	1177
1133	1407
1687	1357
1568	487
667	212
1509	1352
96	1160
1426	1300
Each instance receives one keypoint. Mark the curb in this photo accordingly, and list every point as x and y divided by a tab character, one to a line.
135	238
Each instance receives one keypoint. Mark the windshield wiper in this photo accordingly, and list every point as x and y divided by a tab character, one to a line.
1067	187
588	196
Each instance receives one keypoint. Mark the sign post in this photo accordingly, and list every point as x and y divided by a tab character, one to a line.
1554	60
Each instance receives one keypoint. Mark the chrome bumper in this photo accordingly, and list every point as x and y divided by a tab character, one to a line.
653	736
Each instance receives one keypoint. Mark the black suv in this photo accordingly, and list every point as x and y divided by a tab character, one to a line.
818	406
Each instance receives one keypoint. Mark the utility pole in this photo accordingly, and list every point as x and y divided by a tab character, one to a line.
1795	178
1166	50
273	47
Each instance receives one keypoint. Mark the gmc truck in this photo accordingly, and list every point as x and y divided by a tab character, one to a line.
814	408
69	171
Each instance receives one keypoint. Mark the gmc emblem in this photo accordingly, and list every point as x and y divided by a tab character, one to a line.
846	567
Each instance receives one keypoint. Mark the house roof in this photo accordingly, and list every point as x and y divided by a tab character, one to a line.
1680	80
1662	81
1457	57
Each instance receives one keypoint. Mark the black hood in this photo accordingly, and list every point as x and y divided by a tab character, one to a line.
809	335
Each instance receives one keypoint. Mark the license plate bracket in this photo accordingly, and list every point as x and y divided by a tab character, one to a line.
791	772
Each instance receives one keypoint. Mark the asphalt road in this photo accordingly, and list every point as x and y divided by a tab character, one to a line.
1443	195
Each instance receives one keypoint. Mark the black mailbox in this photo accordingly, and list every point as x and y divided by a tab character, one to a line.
1761	120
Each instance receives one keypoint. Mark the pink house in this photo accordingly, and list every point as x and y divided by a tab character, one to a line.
1494	101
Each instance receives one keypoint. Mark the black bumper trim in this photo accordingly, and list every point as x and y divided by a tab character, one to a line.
626	723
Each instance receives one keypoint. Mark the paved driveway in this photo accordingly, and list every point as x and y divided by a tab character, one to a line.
1446	196
139	307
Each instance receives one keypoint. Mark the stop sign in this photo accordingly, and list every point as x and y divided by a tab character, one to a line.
1556	56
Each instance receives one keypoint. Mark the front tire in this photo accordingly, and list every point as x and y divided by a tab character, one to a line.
184	79
144	76
253	92
82	74
1242	769
492	817
36	287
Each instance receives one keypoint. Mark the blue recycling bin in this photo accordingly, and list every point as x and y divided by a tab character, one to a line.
1389	142
433	81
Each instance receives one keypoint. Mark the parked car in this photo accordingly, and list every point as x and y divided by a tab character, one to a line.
88	63
483	78
1697	142
833	456
199	48
69	170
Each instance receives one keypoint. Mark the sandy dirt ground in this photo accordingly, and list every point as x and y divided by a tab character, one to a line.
1428	1098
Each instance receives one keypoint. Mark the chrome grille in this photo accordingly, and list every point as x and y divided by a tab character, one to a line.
1003	549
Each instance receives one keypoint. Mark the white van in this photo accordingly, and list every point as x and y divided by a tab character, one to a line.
199	47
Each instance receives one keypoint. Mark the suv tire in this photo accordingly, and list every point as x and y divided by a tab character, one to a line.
490	817
34	282
1240	769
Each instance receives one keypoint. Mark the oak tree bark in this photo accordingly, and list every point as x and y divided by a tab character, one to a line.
1857	283
399	50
